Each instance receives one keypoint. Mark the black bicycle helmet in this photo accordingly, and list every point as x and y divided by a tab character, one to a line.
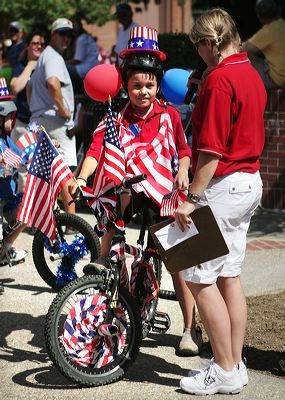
7	107
142	62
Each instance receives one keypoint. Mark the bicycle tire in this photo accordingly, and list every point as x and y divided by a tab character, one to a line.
66	301
48	269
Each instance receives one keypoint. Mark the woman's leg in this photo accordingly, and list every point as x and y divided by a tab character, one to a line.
191	341
216	320
233	295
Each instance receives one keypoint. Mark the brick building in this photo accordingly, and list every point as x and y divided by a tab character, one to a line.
166	17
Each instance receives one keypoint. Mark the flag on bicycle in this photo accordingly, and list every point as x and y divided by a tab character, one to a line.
28	142
47	174
111	166
170	202
11	158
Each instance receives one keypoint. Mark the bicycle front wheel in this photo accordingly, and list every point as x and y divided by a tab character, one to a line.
89	342
62	260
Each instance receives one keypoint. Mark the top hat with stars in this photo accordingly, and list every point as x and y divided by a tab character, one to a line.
4	92
143	39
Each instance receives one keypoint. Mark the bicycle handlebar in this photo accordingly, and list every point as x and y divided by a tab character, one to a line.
129	182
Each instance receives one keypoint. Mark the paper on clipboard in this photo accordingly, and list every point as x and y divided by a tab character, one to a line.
171	235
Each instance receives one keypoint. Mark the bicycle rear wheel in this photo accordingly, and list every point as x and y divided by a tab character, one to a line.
62	260
82	345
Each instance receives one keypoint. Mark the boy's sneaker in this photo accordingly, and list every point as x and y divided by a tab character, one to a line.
191	342
12	256
243	371
213	380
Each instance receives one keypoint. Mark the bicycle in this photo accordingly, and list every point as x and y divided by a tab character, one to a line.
95	325
61	260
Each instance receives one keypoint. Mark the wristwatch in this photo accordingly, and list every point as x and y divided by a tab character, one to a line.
194	198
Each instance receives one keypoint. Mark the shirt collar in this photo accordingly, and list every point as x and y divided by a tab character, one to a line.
158	107
236	58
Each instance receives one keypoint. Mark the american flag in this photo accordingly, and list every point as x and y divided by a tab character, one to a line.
170	202
111	167
47	174
11	158
153	159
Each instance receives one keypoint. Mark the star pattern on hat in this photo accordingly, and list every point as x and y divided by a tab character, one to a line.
154	46
140	43
4	92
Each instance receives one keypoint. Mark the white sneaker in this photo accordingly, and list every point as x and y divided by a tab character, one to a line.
191	342
213	380
12	256
243	372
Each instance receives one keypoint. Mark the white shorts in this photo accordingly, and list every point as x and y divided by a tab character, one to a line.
233	200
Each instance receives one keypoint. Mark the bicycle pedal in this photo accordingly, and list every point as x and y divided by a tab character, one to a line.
161	322
94	269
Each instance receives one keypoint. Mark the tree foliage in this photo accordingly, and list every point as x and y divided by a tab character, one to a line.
43	12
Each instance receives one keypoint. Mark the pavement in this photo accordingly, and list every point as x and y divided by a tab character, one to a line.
27	373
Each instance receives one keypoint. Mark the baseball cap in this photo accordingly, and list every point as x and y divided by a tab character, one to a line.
123	8
61	25
16	26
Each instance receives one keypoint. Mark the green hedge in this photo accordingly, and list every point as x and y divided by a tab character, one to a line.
179	50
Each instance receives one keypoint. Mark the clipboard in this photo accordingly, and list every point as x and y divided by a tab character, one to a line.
207	245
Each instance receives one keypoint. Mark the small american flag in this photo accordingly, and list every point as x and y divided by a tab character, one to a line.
170	202
111	167
10	158
47	174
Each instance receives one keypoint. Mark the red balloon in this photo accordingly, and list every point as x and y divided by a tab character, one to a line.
101	81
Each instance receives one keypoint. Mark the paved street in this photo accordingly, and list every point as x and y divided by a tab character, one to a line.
27	373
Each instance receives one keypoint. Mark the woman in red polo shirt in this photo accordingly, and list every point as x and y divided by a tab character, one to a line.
228	138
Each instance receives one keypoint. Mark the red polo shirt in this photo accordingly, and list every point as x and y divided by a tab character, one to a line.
228	116
146	129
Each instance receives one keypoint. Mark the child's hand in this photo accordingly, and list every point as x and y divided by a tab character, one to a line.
182	180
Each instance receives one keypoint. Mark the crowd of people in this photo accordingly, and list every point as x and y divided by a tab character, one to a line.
224	163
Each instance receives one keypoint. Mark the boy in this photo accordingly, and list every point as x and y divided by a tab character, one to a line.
10	158
153	142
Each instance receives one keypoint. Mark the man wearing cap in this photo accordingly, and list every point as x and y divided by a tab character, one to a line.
51	97
16	34
124	15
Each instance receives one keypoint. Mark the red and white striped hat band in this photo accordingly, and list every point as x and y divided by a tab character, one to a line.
143	39
4	92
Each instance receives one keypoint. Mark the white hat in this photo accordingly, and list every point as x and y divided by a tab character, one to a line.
62	24
16	25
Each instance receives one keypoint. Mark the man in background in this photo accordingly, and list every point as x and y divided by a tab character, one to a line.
266	49
51	98
16	34
124	14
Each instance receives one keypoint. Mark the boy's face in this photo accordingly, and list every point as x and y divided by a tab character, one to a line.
142	89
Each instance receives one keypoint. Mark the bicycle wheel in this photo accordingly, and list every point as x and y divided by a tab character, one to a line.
83	346
62	260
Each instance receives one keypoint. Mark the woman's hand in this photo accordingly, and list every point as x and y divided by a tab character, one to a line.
182	215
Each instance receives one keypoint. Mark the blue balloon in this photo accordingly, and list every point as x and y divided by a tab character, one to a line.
174	85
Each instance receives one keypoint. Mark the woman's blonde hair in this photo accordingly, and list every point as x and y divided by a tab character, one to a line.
216	25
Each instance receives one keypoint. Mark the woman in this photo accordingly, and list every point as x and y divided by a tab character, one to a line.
228	138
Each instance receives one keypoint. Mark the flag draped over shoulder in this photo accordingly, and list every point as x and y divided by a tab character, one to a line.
111	167
170	202
47	174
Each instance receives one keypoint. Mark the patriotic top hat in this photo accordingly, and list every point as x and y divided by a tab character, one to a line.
4	92
143	39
